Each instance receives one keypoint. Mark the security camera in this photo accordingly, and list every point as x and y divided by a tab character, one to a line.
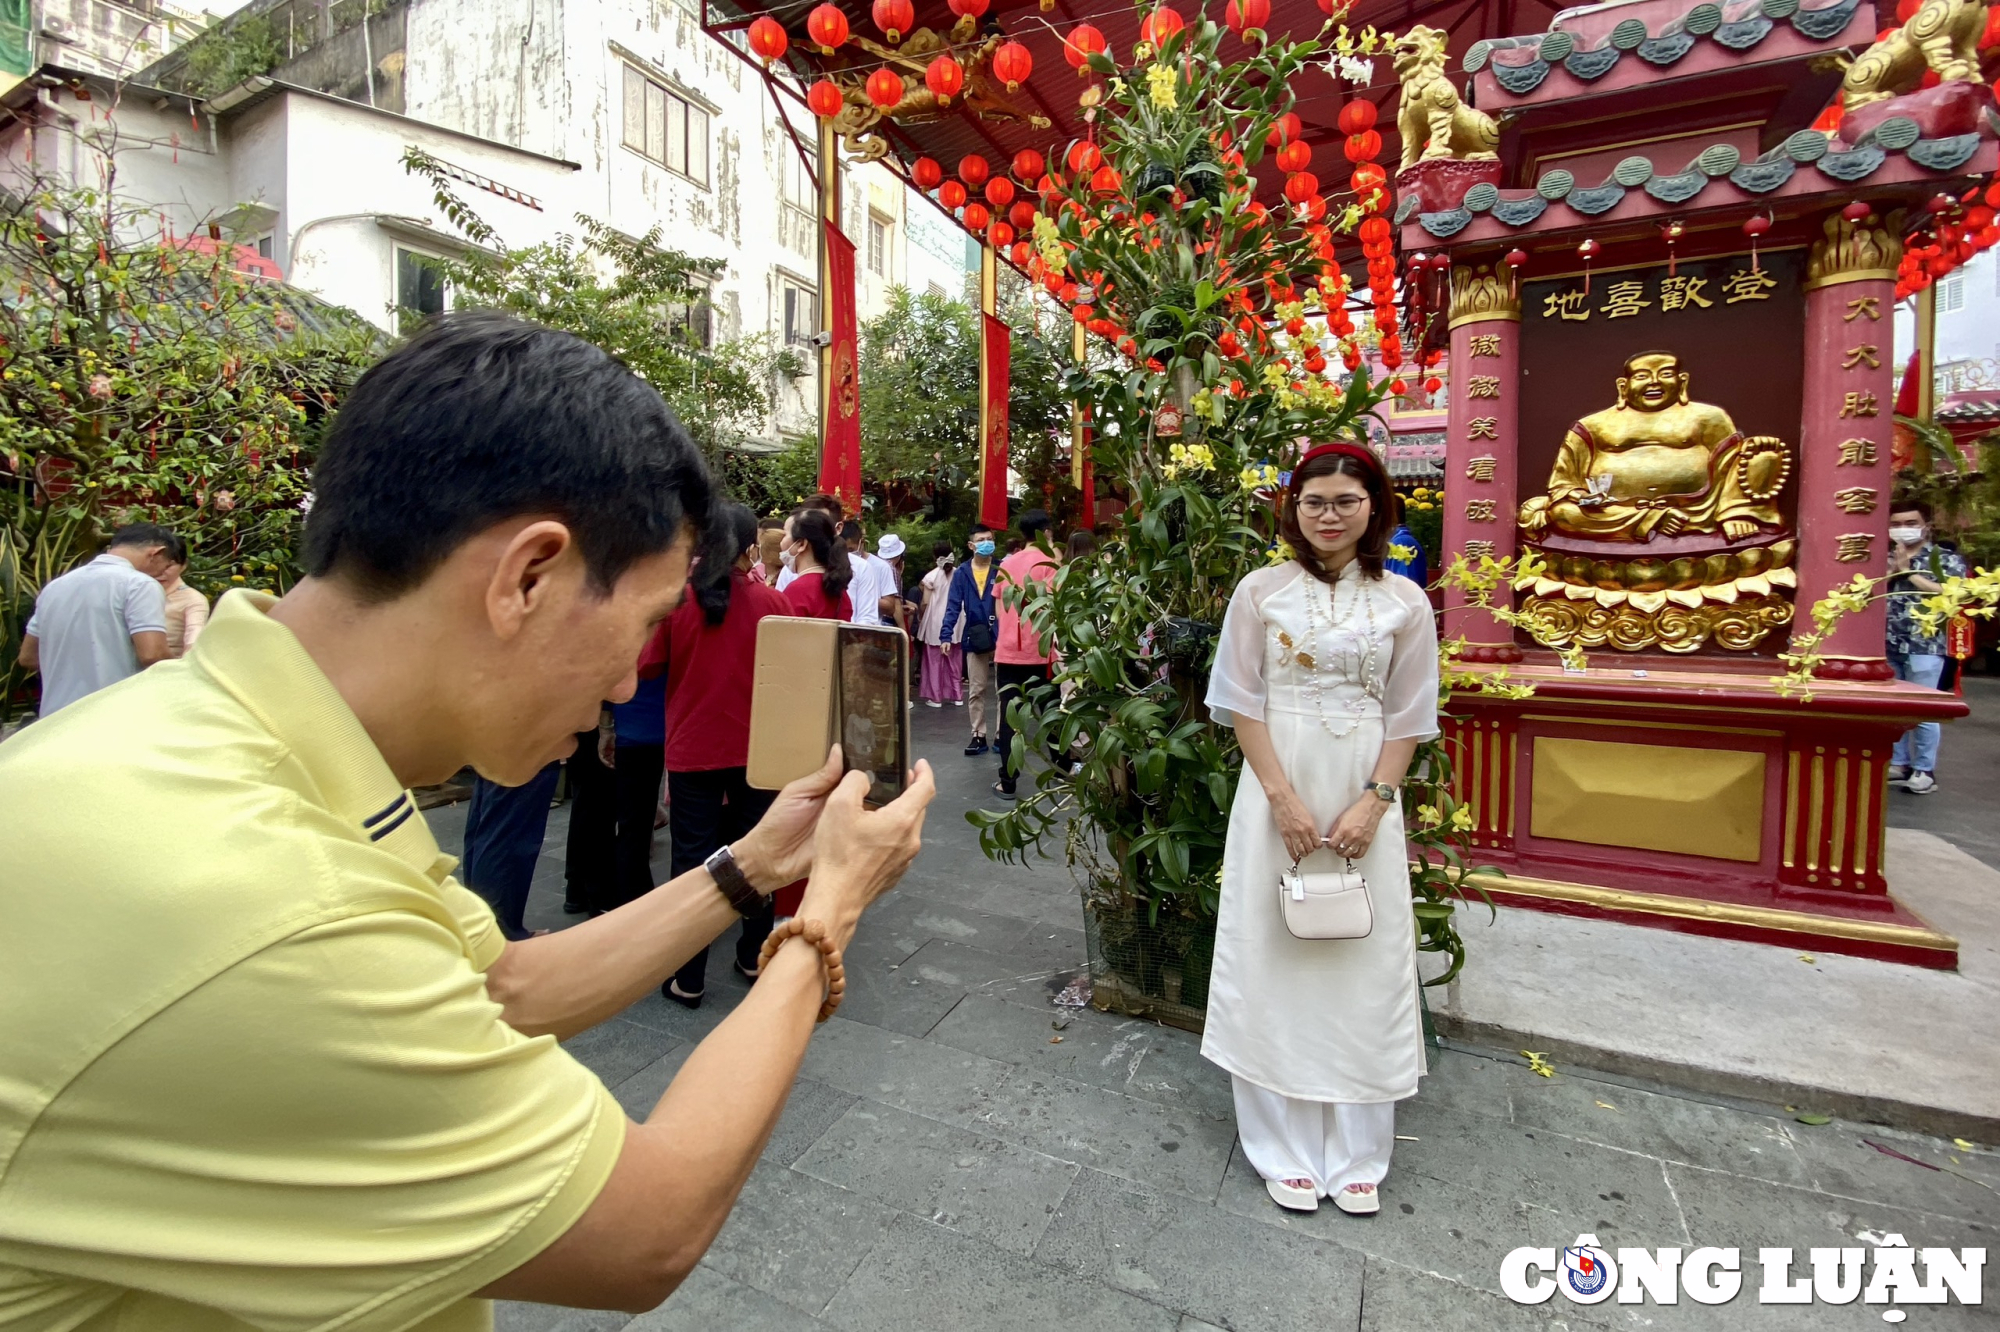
822	338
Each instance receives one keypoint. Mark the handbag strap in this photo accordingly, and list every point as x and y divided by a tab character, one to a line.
1347	860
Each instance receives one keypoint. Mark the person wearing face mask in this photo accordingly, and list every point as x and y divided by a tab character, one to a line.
1327	669
1916	570
971	595
820	569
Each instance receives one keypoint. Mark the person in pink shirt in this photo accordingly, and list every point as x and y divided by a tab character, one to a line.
1019	656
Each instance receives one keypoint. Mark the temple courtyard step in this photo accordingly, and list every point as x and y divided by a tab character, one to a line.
1861	1039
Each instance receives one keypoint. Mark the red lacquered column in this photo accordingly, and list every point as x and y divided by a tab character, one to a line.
1844	469
1481	468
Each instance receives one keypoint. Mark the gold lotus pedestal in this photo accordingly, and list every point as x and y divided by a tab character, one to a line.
1601	594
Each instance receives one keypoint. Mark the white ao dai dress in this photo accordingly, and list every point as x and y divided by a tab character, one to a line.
1322	1036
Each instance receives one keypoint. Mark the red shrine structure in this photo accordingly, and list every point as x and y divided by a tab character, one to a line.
1669	323
1660	239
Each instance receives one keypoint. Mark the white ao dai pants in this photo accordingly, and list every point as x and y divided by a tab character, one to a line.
1331	1143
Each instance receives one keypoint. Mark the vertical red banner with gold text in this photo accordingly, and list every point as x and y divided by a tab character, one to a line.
840	449
994	348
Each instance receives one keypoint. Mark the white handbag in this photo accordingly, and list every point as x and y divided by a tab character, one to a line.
1325	904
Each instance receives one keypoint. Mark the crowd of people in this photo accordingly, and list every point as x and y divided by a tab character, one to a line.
270	1062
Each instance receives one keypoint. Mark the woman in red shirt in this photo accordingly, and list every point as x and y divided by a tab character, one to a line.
820	561
709	646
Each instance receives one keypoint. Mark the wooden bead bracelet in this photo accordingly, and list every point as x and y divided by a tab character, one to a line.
814	933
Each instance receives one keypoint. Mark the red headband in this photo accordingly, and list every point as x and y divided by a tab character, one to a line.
1357	451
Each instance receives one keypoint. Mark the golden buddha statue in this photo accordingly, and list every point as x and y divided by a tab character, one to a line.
1659	464
1660	527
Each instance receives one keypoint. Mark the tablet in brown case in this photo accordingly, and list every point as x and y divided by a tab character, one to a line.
796	704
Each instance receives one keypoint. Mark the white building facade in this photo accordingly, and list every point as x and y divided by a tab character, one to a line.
622	110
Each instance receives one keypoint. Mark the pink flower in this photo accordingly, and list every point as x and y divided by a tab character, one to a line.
225	500
100	386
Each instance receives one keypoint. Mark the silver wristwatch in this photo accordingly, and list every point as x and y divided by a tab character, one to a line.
1383	791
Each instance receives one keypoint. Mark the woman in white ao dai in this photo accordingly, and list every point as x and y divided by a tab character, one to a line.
1328	671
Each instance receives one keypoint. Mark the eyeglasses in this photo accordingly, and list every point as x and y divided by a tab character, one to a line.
1346	506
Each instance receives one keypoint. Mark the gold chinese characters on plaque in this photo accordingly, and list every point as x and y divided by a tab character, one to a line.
1669	293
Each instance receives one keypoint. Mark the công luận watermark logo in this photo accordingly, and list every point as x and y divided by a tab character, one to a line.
1891	1273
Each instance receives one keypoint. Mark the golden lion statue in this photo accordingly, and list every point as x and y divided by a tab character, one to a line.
1943	35
1433	121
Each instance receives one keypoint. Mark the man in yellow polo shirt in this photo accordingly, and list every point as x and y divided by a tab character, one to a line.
266	1064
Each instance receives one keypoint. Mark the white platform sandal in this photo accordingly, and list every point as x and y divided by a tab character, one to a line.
1290	1198
1358	1200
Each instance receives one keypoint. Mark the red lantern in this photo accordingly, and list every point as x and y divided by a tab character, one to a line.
951	194
885	88
925	173
976	217
768	39
1161	24
1105	180
972	169
944	77
1012	64
1082	43
1294	156
1301	186
1247	15
1284	129
824	99
1028	165
1357	116
1373	230
1368	176
1856	211
1083	314
1364	147
1000	234
1021	253
1022	215
968	8
827	26
893	17
1084	157
999	191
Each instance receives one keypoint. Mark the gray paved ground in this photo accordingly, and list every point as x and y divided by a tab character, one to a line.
1961	809
955	1158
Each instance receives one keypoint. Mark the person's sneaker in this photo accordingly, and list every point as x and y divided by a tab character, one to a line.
1897	776
1004	791
977	747
1920	783
572	907
672	990
932	703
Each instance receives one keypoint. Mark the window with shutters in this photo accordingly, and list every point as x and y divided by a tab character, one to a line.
1951	294
420	288
878	245
692	323
801	308
665	127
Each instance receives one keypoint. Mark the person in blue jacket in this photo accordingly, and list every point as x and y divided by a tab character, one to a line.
971	595
1406	553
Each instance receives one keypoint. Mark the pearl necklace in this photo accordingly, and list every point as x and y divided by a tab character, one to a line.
1371	686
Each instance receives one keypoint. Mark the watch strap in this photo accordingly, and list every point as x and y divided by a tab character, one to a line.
729	877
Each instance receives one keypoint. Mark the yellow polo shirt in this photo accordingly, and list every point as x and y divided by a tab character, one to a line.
249	1072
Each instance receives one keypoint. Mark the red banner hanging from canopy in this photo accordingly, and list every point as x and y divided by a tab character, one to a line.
840	444
993	422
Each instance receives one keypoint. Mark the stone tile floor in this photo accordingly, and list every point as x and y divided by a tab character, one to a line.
961	1155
